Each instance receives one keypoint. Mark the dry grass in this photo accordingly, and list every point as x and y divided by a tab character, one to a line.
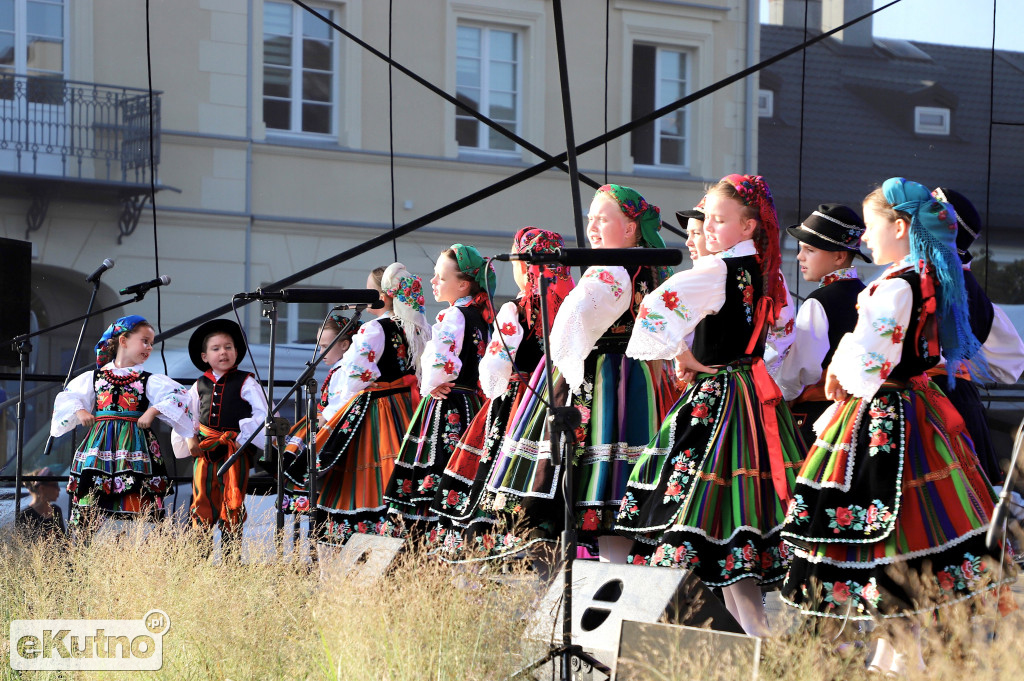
272	619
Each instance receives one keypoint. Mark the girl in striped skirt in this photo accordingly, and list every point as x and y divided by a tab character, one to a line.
710	492
890	510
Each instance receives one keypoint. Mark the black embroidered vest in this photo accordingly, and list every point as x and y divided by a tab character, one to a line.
723	337
915	359
531	348
979	307
839	300
120	394
474	343
220	401
394	361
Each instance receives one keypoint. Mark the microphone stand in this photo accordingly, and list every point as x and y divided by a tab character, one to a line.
278	427
24	350
562	424
74	356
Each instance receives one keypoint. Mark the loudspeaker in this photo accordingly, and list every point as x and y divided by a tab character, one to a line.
15	289
603	595
650	651
367	556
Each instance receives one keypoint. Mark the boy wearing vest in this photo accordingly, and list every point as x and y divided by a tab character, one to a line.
829	240
231	406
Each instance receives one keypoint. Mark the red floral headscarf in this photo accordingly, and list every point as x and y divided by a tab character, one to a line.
754	192
542	241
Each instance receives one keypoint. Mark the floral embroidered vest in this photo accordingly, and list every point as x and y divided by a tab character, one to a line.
616	337
120	395
394	362
220	401
474	343
723	337
915	359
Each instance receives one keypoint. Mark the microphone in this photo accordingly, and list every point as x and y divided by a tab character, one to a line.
587	257
145	286
376	305
351	296
95	276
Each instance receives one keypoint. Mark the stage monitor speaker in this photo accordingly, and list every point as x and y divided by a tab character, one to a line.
603	595
15	292
367	557
650	651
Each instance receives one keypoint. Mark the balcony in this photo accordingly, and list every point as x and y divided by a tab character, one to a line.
77	141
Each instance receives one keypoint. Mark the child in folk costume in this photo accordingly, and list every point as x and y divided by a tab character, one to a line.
377	387
617	396
229	406
710	492
513	355
890	510
829	240
449	385
296	459
1001	346
118	469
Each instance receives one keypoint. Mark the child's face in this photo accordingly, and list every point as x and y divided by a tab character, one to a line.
724	224
815	263
519	272
337	352
695	238
134	348
446	283
886	238
220	353
608	226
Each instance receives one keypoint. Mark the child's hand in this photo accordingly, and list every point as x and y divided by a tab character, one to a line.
441	391
146	420
833	388
85	417
320	420
687	367
193	447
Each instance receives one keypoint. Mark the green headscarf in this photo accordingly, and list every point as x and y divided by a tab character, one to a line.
635	207
471	263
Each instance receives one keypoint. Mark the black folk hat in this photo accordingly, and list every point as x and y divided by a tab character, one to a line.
207	329
696	213
832	227
968	222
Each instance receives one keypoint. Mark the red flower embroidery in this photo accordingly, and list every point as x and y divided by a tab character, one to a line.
637	560
897	335
644	312
844	516
840	592
406	486
428	482
967	569
449	367
488	541
453	498
946	582
366	376
606	277
590	520
371	356
401	352
454	418
789	326
766	561
884	371
748	552
508	329
700	411
730	563
748	295
103	400
670	299
673	489
879	439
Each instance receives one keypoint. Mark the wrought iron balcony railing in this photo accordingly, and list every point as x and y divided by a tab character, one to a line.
68	129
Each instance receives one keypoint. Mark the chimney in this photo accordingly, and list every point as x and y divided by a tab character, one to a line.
837	12
791	13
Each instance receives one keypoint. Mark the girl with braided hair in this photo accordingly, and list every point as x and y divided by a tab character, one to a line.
890	510
709	493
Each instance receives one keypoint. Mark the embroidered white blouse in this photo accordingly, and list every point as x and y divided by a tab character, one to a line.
359	367
169	397
496	365
600	297
674	309
440	360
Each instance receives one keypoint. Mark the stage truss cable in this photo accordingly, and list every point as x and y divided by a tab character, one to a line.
391	123
152	186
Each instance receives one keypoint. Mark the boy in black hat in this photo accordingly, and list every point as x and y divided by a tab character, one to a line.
1001	346
692	222
231	406
829	241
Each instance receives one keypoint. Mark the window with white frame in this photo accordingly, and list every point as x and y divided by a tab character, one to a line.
488	77
931	120
660	76
31	44
765	103
299	69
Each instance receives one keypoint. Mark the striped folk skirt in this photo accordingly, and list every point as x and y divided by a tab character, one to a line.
430	440
118	469
356	456
708	493
890	511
